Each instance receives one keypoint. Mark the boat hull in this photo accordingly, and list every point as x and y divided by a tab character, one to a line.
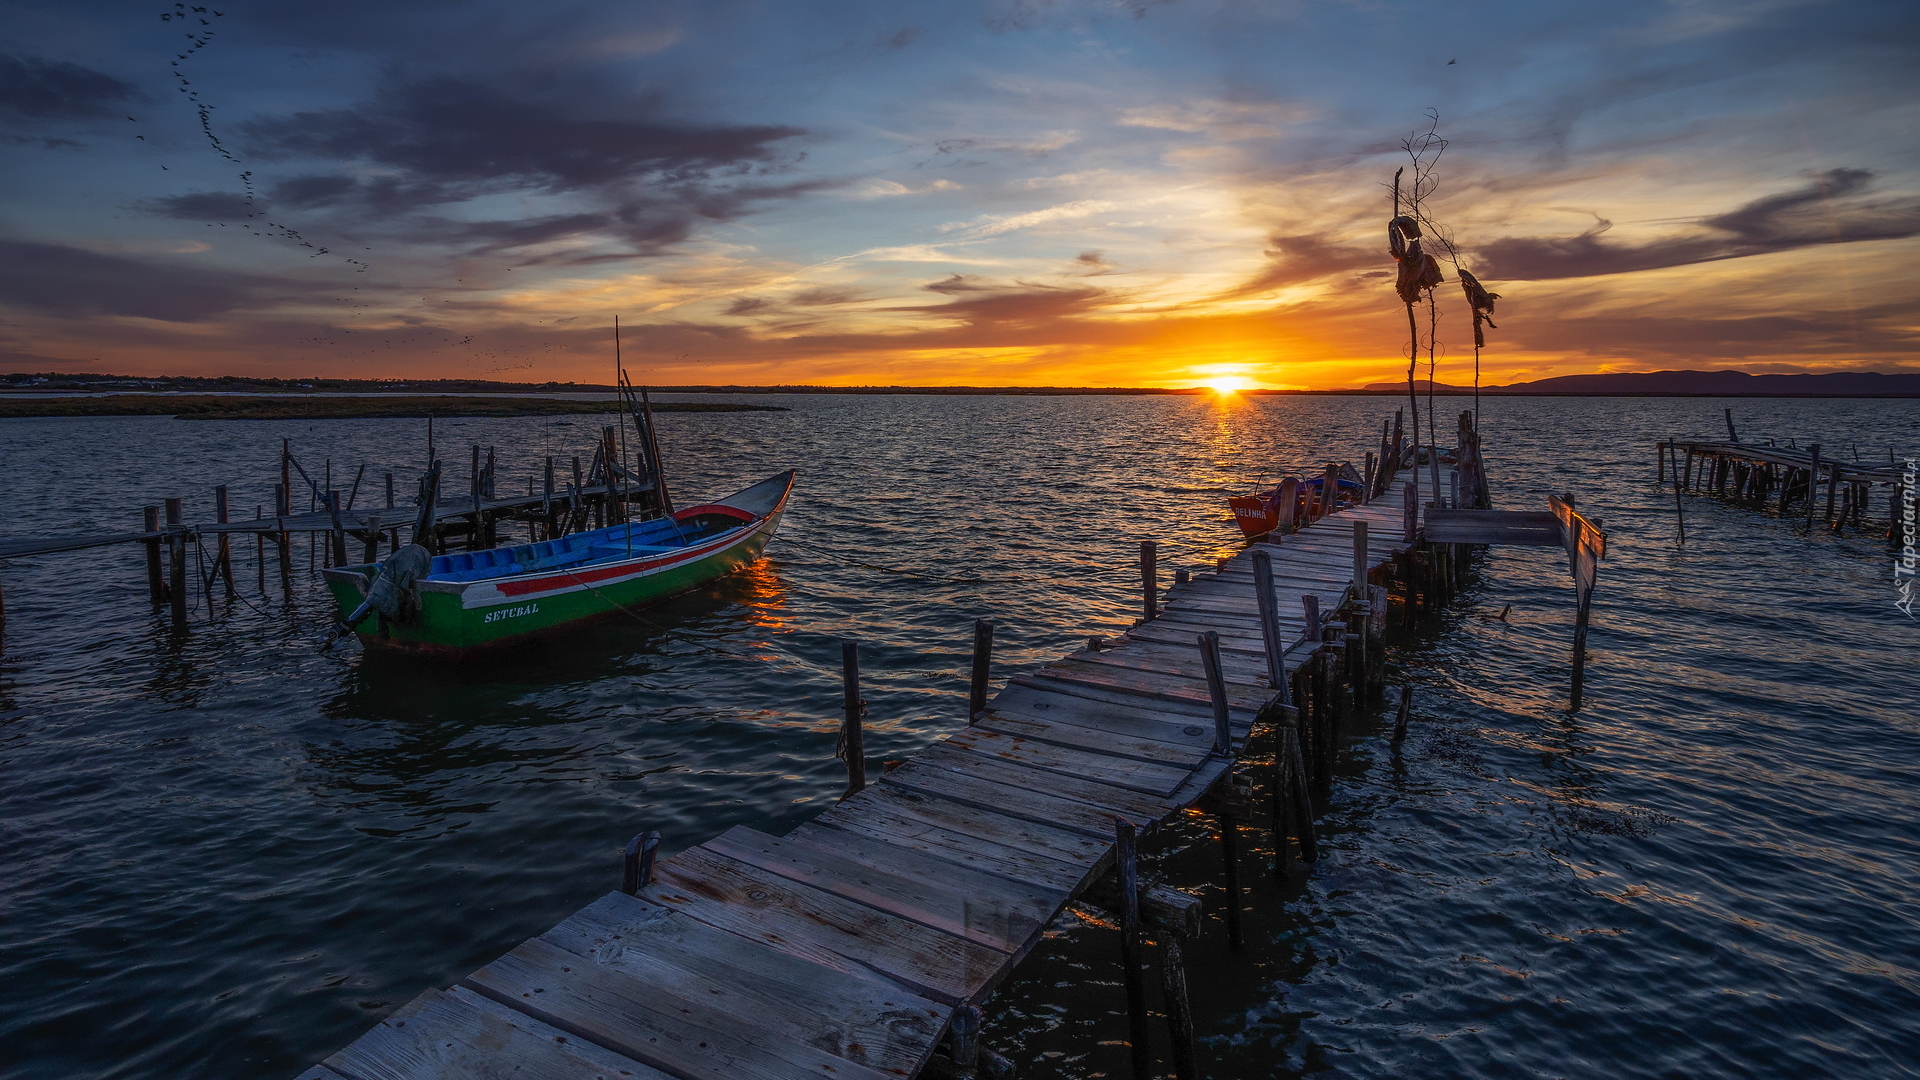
457	619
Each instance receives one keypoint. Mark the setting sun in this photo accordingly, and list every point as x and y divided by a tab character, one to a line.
1227	384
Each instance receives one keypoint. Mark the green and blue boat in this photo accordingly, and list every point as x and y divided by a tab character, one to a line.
472	601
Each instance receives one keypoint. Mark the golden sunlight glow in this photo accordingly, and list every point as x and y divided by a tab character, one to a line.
1227	384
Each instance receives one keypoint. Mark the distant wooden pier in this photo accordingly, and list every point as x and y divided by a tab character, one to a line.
1833	489
862	944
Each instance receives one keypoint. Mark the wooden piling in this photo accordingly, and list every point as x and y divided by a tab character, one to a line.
1731	436
1127	860
223	552
1679	507
1813	470
1301	798
156	578
339	533
963	1034
1230	872
636	867
1173	986
1149	581
177	562
853	743
1217	693
1270	634
982	667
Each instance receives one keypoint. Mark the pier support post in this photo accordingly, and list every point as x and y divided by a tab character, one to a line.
963	1033
636	866
982	667
1276	648
1410	513
1173	983
1230	867
1300	798
177	562
282	509
1139	1037
1149	581
339	536
1217	693
223	554
156	580
853	742
1813	472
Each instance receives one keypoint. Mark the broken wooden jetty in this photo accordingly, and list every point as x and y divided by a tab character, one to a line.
619	483
1758	475
863	944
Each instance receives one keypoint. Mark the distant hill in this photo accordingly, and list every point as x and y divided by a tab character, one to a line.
1698	384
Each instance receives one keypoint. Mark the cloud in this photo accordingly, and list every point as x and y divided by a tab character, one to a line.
979	303
1295	259
41	89
460	133
66	281
990	225
1227	120
1826	211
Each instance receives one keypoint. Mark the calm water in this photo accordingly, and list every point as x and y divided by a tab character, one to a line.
224	853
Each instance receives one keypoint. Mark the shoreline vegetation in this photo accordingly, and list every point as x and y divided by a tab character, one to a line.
27	387
332	407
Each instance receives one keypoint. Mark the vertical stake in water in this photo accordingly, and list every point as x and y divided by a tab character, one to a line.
223	559
1173	982
964	1032
177	562
156	579
1813	470
853	743
1149	581
982	667
1139	1036
1679	506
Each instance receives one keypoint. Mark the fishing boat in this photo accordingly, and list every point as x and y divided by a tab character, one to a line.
474	600
1291	503
425	599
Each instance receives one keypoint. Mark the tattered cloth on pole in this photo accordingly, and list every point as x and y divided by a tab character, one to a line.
1481	301
1418	270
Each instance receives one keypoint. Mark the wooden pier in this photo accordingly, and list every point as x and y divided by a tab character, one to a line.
862	944
1836	491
